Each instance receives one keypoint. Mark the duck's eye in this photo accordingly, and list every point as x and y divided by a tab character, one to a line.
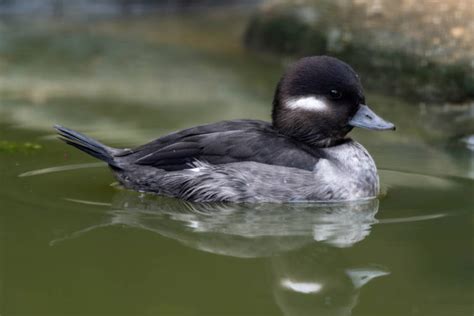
335	94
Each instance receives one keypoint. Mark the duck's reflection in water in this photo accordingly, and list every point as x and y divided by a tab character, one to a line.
302	241
319	281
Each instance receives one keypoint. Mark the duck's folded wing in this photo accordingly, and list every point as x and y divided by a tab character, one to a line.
253	141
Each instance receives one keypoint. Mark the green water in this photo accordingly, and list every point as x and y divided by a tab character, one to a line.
72	243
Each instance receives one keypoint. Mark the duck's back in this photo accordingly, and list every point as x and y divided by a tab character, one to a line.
223	143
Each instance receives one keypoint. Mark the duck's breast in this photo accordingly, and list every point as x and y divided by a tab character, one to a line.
349	171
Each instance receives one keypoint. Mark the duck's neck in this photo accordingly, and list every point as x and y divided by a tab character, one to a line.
312	130
311	138
325	142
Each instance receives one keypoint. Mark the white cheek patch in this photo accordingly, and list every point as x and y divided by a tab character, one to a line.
307	103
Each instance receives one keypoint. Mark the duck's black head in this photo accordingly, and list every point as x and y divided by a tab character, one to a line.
319	100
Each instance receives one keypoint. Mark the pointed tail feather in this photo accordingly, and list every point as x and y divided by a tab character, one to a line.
87	145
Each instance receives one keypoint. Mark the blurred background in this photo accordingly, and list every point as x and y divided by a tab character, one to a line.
128	71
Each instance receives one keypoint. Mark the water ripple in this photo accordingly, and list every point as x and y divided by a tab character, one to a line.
61	168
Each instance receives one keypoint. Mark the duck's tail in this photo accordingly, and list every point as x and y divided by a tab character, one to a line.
88	145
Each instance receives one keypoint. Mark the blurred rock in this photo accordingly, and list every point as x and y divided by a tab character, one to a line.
422	50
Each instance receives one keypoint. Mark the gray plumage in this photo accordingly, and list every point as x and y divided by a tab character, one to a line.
349	173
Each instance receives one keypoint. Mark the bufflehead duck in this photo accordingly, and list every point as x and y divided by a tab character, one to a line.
302	155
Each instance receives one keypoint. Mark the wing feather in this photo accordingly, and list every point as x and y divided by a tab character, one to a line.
221	143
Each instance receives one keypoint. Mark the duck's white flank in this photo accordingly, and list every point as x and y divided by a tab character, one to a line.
309	103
